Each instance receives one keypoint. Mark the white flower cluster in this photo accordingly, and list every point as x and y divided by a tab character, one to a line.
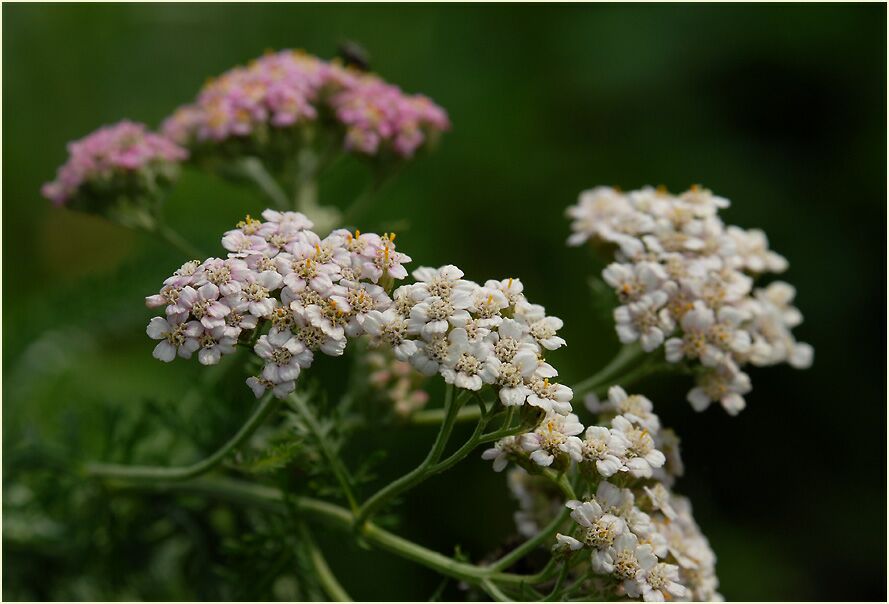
474	335
642	536
312	292
315	293
628	445
685	281
647	540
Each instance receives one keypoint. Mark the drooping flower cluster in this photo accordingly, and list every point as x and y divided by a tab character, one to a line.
641	538
685	280
119	159
396	382
311	293
290	88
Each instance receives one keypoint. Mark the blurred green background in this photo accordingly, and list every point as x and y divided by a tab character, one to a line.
779	108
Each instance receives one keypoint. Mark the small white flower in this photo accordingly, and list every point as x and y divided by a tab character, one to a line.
213	344
511	288
513	375
257	293
442	283
469	364
555	436
284	356
658	582
390	328
331	316
724	383
632	281
175	335
502	450
605	448
636	408
549	396
645	319
431	354
640	457
434	315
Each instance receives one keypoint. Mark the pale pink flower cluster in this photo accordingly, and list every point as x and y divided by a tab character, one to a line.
685	281
289	88
311	293
396	382
110	157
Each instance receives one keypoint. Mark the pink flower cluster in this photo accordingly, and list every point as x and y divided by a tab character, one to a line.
288	88
311	292
123	148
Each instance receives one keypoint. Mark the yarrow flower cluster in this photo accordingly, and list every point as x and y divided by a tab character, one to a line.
641	538
315	293
125	158
685	281
291	88
311	293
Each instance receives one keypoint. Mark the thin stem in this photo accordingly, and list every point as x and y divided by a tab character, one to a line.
274	500
554	594
428	417
625	359
167	234
531	544
494	591
339	470
421	472
254	168
326	578
266	406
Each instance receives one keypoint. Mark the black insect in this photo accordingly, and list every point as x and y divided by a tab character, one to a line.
354	55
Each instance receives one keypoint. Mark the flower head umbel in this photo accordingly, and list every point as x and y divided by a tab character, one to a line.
283	291
281	91
119	171
685	281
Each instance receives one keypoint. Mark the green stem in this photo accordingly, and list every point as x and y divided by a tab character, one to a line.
421	472
253	168
531	544
339	470
554	594
625	359
266	406
273	500
166	234
494	591
428	417
325	576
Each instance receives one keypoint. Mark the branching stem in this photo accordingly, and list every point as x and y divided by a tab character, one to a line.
267	405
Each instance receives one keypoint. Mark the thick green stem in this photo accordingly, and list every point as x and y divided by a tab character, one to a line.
255	170
266	406
494	591
324	574
339	470
625	360
273	500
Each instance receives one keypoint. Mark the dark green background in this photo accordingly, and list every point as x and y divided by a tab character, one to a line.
779	108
